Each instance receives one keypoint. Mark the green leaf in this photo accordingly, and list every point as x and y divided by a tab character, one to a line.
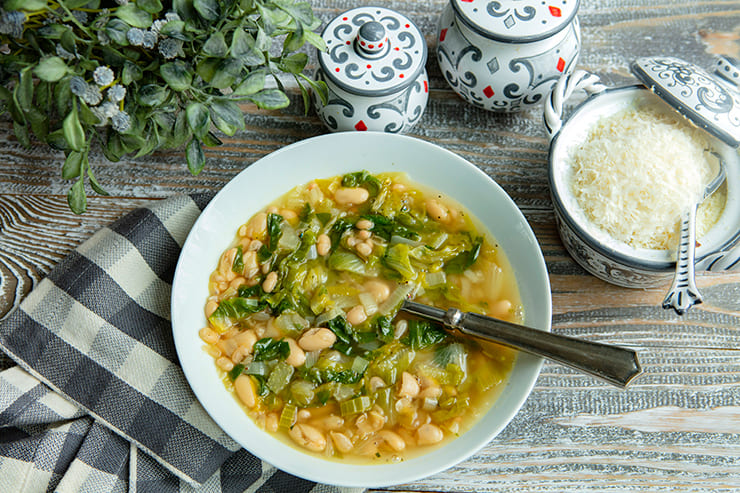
211	140
301	11
315	40
24	90
76	197
207	68
175	29
134	16
116	30
39	123
29	5
75	4
152	95
294	63
130	73
94	183
208	9
227	116
151	6
422	334
21	133
243	47
73	163
69	41
51	69
319	87
195	157
184	9
87	117
176	75
73	130
464	260
253	83
294	40
268	348
216	45
57	141
63	96
228	71
113	149
270	99
198	119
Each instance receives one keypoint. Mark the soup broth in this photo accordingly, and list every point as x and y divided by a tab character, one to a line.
304	322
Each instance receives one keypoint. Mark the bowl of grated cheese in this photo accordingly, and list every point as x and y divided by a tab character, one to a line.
624	166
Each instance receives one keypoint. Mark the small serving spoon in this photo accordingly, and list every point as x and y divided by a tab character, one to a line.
616	365
684	293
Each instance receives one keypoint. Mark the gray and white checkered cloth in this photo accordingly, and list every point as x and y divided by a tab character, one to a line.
97	400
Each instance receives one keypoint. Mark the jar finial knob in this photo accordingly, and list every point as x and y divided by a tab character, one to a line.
371	39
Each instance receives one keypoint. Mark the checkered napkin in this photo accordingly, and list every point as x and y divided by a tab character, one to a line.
97	400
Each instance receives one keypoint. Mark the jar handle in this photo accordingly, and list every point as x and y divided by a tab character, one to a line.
564	87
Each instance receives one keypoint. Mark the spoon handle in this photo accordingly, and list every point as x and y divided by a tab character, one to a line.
684	293
613	364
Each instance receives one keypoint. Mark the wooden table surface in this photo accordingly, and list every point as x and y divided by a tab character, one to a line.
676	429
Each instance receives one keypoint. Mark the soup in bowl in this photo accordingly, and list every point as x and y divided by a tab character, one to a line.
285	309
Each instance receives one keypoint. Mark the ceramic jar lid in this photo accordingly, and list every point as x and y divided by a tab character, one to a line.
695	93
372	51
516	21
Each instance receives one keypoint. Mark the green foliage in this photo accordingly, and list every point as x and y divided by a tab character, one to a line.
145	76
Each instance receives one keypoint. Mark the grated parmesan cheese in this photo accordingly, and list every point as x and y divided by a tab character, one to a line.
638	170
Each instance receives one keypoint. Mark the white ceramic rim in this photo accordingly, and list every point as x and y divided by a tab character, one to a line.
575	130
326	156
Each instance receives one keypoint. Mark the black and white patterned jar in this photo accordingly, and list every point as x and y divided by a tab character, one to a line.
374	69
707	101
506	55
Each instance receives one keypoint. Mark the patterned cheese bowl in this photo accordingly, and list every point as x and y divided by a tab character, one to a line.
506	55
672	83
374	70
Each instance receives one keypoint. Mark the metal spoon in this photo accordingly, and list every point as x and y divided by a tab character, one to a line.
613	364
684	293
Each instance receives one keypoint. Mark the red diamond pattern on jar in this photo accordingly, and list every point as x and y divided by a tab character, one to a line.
555	11
442	34
360	126
488	91
561	64
426	86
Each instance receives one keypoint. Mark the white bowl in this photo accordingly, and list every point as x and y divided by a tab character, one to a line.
326	156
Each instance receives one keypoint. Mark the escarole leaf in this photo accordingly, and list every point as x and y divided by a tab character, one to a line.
231	311
464	260
423	334
268	348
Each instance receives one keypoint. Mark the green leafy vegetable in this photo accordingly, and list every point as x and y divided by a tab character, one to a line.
232	310
362	179
397	258
238	264
135	77
236	371
422	334
268	348
463	261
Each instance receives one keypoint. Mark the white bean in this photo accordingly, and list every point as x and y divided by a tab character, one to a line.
341	441
323	244
245	390
393	440
317	338
409	386
364	224
297	356
309	437
378	289
356	315
208	335
270	282
428	434
256	226
365	248
437	211
349	196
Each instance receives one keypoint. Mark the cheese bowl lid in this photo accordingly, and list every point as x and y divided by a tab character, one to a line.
706	100
372	51
516	21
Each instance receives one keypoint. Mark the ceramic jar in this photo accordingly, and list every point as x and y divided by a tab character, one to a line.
374	70
708	102
506	55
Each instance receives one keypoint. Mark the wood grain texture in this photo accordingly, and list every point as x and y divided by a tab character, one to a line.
678	427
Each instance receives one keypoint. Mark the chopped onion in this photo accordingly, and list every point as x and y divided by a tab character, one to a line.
396	297
400	239
369	303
